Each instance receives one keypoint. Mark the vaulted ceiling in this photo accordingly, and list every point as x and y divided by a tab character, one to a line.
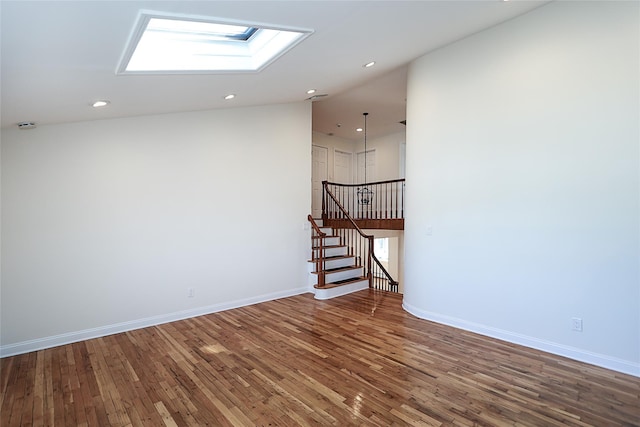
58	57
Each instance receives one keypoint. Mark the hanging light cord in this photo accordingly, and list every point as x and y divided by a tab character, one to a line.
365	147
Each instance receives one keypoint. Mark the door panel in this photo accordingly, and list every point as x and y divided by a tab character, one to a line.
342	167
371	167
319	168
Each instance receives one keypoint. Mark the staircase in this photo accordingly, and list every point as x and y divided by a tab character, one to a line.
343	273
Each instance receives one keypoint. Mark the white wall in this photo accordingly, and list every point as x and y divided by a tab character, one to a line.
106	224
523	158
387	152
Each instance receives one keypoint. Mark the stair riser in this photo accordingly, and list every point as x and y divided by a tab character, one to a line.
342	275
328	241
341	262
329	252
334	263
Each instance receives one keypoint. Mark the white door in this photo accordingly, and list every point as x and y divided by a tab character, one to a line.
371	167
403	160
319	168
342	167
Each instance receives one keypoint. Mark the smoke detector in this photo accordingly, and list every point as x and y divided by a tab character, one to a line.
26	125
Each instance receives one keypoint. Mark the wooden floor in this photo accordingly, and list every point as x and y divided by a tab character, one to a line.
355	360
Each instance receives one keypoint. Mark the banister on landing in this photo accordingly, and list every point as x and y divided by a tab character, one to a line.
372	205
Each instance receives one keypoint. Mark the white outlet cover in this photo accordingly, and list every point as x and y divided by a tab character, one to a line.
576	324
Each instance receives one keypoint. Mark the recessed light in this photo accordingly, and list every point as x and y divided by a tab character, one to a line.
359	130
369	64
99	104
230	96
310	91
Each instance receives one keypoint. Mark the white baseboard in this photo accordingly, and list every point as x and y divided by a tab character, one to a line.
71	337
608	362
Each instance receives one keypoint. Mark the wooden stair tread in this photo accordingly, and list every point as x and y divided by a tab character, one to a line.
340	283
339	269
329	246
335	257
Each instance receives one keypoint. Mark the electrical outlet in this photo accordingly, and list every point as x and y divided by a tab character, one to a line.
576	324
191	292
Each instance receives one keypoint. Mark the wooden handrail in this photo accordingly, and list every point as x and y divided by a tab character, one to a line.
315	226
393	284
344	211
319	260
390	181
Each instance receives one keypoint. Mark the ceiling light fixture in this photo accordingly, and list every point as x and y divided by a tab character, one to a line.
230	96
99	104
369	64
310	91
359	130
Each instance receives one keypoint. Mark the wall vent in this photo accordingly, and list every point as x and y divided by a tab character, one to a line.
26	125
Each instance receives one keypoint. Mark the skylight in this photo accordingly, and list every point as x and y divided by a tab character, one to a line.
165	44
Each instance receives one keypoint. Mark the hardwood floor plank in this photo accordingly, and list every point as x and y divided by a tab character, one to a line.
12	408
5	379
358	360
167	419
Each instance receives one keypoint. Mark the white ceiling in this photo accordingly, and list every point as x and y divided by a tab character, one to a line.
58	57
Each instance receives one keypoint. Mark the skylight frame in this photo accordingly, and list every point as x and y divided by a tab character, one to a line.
202	31
250	52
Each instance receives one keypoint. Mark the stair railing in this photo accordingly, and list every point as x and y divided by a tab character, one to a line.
361	246
380	277
317	252
372	200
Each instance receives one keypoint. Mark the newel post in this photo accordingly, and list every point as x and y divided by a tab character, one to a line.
317	252
369	271
320	262
324	200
